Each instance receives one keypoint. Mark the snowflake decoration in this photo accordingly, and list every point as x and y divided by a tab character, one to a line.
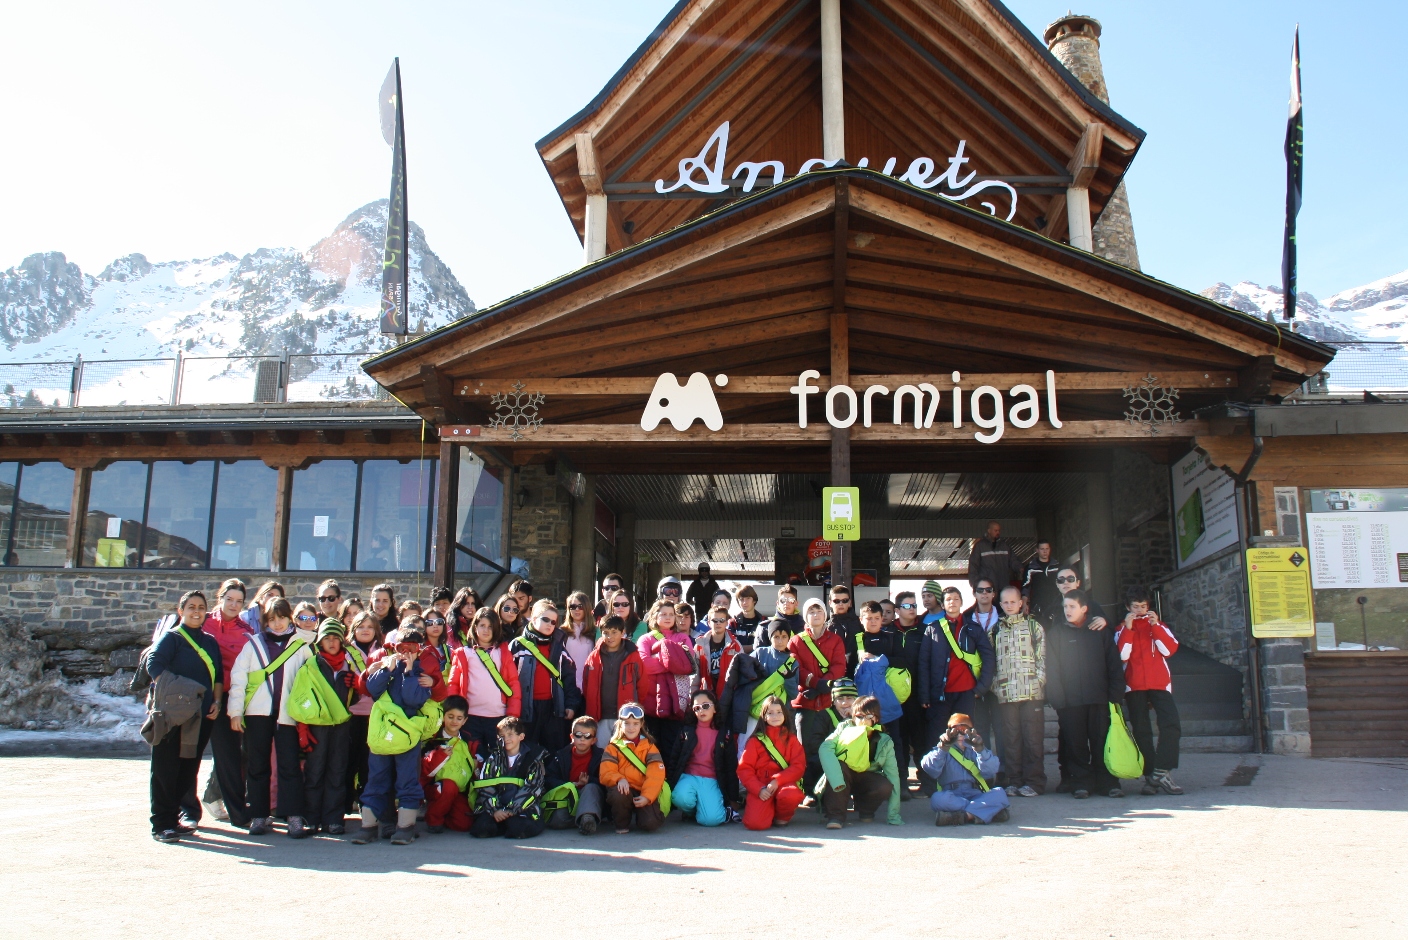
1151	405
517	411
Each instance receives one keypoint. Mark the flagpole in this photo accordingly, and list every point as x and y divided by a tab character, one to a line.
1295	168
395	261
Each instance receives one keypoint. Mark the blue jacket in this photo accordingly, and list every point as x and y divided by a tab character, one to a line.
870	680
951	775
934	654
403	685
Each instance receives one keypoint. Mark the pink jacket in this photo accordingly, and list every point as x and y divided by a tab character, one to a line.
664	659
363	705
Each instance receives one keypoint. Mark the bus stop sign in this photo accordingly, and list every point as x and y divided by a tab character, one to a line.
840	513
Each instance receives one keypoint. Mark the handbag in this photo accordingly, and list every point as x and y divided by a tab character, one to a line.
1122	755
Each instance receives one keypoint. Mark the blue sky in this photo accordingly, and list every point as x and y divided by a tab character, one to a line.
185	130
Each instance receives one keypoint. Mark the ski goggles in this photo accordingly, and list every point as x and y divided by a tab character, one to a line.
631	711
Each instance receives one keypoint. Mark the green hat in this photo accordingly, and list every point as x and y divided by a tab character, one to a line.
932	587
331	627
842	687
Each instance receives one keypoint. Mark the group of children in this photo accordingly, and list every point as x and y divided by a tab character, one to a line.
508	719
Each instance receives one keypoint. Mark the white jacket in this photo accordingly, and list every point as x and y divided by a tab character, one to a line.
255	655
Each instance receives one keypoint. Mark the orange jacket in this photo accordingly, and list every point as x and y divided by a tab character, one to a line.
615	767
757	769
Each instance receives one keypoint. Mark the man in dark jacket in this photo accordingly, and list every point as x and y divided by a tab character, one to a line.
1039	588
701	593
844	621
548	679
992	558
1084	676
949	680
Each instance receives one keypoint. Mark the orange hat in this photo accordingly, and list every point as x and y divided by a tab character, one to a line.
958	718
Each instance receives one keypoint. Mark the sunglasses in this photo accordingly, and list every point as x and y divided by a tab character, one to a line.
982	590
305	618
584	735
631	711
717	620
574	606
434	620
703	707
1066	580
906	607
509	609
330	598
621	605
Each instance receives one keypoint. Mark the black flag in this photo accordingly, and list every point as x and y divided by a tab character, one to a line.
395	266
1295	158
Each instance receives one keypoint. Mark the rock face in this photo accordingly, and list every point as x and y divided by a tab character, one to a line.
325	300
1075	42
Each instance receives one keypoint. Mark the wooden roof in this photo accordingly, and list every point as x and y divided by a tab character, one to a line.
927	286
919	75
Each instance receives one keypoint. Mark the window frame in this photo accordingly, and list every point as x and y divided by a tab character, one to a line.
427	562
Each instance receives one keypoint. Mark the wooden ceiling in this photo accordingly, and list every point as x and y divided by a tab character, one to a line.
919	76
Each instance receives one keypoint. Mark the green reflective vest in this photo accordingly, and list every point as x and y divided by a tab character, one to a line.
459	767
624	748
969	766
256	677
772	685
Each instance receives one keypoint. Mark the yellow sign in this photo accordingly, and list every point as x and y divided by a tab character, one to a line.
840	513
1279	582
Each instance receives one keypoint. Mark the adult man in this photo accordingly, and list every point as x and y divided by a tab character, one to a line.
1084	675
821	657
701	593
1039	589
992	558
908	625
956	664
609	585
522	592
844	622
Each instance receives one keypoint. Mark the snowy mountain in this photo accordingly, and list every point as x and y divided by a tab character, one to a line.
325	299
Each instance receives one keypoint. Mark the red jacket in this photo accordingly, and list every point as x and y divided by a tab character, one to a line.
757	769
810	675
1145	645
629	679
732	648
460	673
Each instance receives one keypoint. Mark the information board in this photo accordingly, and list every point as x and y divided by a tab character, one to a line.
1358	549
1204	508
1278	580
840	513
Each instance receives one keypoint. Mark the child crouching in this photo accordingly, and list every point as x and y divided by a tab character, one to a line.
447	770
859	761
574	796
772	765
509	790
959	768
633	773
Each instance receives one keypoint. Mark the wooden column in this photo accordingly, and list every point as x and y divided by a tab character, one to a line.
1085	163
82	483
833	117
626	548
283	493
840	366
447	491
594	236
583	571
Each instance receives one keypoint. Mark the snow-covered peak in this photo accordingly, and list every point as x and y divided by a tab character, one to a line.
1313	318
1378	310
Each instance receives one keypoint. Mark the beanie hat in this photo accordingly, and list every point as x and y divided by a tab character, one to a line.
843	687
331	627
776	624
932	587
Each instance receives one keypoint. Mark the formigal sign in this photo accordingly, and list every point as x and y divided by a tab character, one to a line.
681	405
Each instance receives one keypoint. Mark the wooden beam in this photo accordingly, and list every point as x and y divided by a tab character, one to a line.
330	435
439	393
283	496
1072	432
594	220
78	511
1085	158
447	484
840	328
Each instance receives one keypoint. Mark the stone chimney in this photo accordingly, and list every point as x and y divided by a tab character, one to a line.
1075	41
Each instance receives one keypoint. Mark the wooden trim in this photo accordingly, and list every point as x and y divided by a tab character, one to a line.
274	455
815	432
587	167
283	495
1085	158
900	214
78	511
447	487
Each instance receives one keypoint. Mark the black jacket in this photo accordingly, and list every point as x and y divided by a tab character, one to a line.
760	636
1083	666
1039	587
888	642
993	560
558	767
846	626
699	595
678	752
744	674
565	693
524	800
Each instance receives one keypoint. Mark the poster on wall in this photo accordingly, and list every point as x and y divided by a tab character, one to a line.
1204	508
1278	580
1358	538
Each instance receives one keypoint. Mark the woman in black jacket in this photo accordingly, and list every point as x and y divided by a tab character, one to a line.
701	764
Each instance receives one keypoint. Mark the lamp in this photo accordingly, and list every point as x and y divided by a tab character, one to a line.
522	496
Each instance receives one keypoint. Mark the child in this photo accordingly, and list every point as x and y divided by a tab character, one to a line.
437	640
773	762
509	790
402	677
878	654
821	657
1145	644
702	766
260	685
363	647
1020	687
745	623
787	610
331	679
716	650
485	676
612	676
769	670
579	631
447	770
859	762
574	794
667	655
958	768
1083	676
548	678
633	773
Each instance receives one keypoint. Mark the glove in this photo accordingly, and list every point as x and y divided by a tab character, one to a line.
348	679
305	738
812	695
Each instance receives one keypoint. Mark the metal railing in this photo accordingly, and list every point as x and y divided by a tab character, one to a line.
187	380
1366	365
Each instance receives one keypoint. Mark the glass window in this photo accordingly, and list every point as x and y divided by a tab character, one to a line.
245	492
479	516
178	515
392	524
112	528
9	473
40	535
320	516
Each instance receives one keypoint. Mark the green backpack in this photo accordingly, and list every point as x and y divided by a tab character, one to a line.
391	731
312	701
900	682
853	747
1122	755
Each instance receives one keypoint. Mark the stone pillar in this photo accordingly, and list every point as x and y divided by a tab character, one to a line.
1102	539
1285	703
1075	41
626	549
833	118
584	539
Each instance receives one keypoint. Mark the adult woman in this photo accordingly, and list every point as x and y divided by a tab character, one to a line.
256	604
702	764
384	607
461	617
364	644
329	599
668	658
511	617
580	631
348	610
187	652
437	633
231	633
619	603
484	674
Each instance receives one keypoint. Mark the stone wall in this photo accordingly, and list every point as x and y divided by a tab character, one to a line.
542	530
1139	496
1285	701
95	622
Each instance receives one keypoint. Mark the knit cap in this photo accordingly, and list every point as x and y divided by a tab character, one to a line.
776	624
331	627
932	587
843	687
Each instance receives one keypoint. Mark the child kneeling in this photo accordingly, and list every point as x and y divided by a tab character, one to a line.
959	768
859	761
702	765
509	791
574	796
447	771
633	773
772	765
